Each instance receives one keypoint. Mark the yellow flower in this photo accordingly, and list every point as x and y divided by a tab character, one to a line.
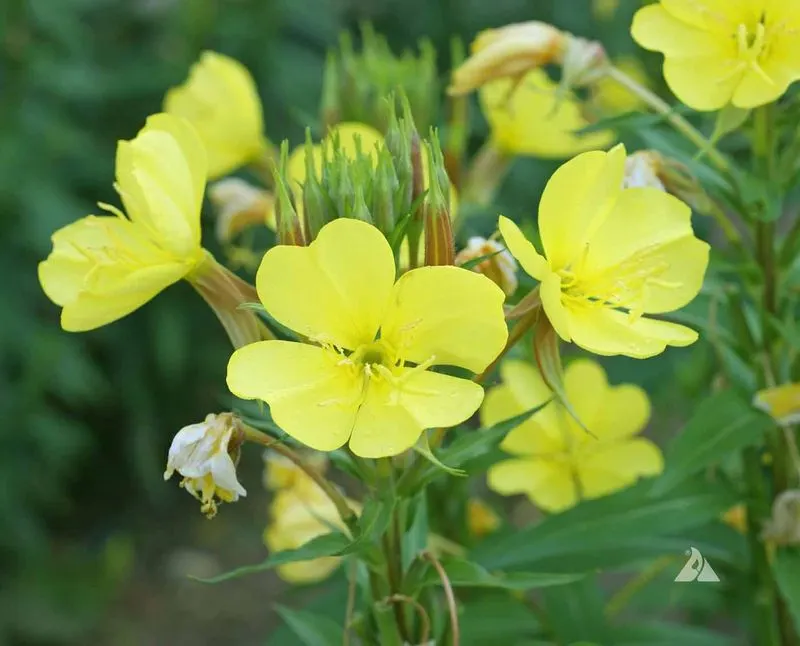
481	518
611	97
221	101
297	515
718	51
781	402
612	254
365	375
558	463
104	267
500	267
206	454
736	518
509	51
281	473
533	120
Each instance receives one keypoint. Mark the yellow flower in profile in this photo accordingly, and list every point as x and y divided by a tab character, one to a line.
508	52
557	463
365	375
611	255
782	403
611	97
104	267
534	120
206	454
718	52
298	514
221	101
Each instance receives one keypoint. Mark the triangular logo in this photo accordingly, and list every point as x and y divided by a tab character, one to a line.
696	569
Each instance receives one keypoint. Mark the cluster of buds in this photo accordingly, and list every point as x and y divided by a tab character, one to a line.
514	50
400	186
649	168
356	84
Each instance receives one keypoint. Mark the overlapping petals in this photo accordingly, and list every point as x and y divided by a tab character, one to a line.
611	256
557	462
364	375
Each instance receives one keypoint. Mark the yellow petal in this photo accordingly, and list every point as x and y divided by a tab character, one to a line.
550	293
549	485
576	200
755	90
448	315
310	396
614	466
539	434
161	179
625	413
306	572
648	232
533	119
383	427
702	83
717	16
522	249
611	332
781	402
336	290
436	400
101	269
586	388
657	29
221	101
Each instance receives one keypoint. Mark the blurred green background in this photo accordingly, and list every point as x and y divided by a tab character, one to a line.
94	547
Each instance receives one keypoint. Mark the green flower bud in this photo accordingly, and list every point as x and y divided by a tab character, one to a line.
289	230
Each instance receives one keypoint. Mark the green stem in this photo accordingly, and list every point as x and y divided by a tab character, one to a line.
764	599
392	547
657	104
347	515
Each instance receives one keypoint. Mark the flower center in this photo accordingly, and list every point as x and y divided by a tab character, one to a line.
370	356
751	43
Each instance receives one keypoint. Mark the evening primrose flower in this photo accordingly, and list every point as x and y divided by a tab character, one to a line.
499	265
611	255
104	267
206	454
365	375
221	101
298	514
508	52
534	120
557	463
717	53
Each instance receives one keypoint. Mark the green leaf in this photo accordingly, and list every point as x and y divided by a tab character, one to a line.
494	617
576	612
372	523
474	262
331	544
625	528
786	567
416	538
721	425
728	119
661	633
423	447
312	629
466	574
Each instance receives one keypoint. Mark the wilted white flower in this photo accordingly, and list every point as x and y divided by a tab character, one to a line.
239	205
642	171
206	454
499	265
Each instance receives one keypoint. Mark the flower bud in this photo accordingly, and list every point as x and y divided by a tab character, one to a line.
289	229
583	63
439	244
508	51
317	210
239	205
783	528
383	193
206	455
498	264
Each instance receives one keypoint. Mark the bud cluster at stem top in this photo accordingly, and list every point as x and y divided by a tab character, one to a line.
356	83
